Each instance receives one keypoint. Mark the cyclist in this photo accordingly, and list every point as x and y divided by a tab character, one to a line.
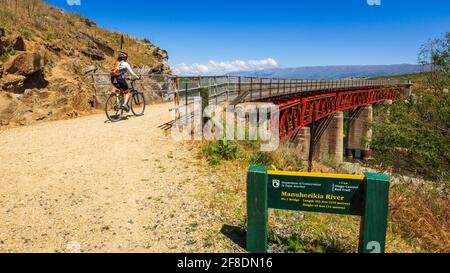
118	77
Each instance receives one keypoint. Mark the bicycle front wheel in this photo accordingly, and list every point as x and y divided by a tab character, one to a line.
138	104
113	109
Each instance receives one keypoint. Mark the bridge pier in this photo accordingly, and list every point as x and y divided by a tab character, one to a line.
407	89
360	134
303	142
331	144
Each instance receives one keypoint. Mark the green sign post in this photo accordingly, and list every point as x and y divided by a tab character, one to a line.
363	195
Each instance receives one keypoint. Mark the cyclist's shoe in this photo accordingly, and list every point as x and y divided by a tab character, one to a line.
126	107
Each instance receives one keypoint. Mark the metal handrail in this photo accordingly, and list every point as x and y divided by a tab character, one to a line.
243	88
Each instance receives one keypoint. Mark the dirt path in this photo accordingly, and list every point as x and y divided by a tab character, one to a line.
99	187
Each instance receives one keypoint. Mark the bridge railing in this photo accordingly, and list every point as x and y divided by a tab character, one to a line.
222	90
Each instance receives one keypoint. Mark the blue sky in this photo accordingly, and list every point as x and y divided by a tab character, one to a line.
291	33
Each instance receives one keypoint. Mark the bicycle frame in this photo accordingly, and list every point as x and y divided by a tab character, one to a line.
120	94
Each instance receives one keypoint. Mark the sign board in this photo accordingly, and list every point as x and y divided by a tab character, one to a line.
361	195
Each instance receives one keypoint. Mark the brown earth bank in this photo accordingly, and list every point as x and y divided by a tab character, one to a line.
92	186
45	55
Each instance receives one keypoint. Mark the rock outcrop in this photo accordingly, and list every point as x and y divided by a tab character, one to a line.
11	42
12	83
93	53
24	64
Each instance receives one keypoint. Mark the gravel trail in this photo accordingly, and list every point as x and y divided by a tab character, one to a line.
91	186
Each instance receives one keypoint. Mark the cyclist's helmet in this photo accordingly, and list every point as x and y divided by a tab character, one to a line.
123	55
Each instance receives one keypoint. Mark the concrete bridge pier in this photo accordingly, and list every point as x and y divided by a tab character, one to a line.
331	143
336	138
360	134
303	142
407	89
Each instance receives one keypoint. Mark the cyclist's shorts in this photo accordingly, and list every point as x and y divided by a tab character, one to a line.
120	83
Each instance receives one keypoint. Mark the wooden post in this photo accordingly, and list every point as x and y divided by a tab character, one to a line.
257	210
260	88
239	86
278	90
94	86
251	88
215	90
228	89
204	94
374	219
270	88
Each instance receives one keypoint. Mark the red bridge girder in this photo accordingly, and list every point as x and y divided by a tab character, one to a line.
297	112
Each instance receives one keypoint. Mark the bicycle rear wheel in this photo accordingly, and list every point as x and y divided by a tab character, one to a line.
138	104
113	108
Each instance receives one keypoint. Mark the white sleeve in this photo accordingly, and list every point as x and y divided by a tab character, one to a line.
131	70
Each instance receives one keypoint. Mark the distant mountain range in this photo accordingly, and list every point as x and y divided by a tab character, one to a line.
333	72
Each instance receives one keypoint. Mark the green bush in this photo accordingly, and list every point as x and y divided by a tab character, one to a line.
261	159
414	135
88	22
220	150
8	54
26	34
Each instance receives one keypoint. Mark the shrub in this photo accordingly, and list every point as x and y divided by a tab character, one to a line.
414	135
221	150
8	54
261	159
26	34
88	22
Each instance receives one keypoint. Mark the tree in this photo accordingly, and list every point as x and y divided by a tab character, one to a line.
434	56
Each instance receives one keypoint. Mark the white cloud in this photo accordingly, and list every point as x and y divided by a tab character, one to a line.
221	68
74	2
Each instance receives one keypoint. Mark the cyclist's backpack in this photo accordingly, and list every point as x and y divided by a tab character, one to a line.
115	69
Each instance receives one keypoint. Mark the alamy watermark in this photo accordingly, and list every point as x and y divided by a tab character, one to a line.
253	122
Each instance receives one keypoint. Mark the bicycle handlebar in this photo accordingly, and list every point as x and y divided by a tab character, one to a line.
135	79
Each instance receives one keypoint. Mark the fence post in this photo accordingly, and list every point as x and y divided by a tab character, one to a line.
215	90
374	220
270	88
204	95
257	214
94	86
228	89
278	90
186	101
239	86
260	88
251	88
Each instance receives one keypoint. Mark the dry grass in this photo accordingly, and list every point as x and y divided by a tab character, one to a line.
421	214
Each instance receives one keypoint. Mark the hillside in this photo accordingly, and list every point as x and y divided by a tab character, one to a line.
334	72
44	55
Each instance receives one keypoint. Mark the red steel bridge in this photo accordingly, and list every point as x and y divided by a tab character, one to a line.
300	102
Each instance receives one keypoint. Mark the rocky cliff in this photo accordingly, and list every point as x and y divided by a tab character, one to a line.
45	54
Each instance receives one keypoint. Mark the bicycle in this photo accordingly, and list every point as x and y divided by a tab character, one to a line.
113	107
